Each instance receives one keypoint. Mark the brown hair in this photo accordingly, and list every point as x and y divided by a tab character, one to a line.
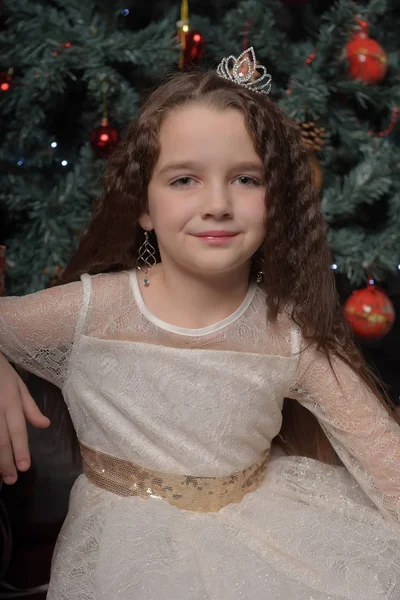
301	279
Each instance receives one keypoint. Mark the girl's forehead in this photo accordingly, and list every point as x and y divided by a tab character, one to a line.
204	127
203	113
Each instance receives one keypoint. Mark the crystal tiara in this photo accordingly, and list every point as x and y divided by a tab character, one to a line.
245	71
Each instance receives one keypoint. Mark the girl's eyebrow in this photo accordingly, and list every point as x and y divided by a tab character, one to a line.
188	166
178	166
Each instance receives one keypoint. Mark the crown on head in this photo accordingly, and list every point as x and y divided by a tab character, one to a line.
245	71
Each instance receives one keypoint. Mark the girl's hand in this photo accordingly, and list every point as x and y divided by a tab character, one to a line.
16	406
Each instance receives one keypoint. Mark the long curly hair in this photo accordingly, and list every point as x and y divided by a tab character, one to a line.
295	257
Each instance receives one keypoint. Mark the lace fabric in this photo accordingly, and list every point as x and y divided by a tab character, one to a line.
210	405
364	435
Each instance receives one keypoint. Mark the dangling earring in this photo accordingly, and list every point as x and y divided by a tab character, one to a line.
147	257
259	258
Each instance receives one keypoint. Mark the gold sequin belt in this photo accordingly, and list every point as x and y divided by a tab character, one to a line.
188	492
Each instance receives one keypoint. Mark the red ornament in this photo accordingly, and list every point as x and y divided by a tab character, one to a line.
367	59
369	312
104	139
193	50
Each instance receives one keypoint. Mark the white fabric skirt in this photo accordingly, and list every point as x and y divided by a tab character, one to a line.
307	533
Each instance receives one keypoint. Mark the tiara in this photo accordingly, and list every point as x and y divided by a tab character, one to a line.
244	70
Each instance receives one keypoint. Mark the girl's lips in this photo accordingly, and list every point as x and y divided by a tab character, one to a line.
217	239
215	234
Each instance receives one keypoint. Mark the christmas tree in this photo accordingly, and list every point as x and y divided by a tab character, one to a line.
74	74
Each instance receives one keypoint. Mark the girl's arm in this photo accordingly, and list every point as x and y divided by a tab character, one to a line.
37	330
364	435
37	333
16	407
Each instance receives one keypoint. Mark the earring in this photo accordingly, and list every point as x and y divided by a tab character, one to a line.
147	257
259	263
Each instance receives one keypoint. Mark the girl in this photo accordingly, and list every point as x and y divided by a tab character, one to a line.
210	299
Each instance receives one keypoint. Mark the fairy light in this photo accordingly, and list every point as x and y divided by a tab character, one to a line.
390	127
183	28
309	60
54	144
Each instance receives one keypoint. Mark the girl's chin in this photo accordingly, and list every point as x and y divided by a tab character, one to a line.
218	269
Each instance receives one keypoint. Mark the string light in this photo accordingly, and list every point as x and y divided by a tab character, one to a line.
64	163
20	162
334	267
310	58
125	12
6	80
54	144
390	127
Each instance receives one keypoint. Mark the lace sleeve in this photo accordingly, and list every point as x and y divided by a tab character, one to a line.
364	435
37	330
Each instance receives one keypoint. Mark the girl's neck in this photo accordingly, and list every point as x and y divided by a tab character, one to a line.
185	300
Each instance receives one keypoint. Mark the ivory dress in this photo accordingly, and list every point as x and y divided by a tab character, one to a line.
181	498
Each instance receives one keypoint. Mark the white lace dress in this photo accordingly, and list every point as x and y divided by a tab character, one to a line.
208	403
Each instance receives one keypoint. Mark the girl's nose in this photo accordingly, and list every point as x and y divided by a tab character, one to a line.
217	201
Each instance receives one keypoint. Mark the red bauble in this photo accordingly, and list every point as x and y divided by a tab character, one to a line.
104	139
367	59
369	312
194	48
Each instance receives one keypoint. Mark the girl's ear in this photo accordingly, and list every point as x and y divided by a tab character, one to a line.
145	222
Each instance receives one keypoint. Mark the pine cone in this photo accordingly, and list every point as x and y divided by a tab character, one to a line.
312	135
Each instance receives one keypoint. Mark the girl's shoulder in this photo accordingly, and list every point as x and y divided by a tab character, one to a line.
113	278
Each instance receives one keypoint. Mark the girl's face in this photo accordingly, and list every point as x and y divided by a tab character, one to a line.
208	178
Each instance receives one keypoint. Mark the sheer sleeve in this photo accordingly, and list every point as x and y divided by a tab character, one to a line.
364	435
37	331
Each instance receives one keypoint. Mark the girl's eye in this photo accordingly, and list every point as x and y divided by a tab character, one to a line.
244	180
182	182
247	181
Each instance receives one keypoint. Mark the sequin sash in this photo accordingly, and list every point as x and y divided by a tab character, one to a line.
188	492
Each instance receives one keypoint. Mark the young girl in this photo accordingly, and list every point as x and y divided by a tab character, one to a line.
210	300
